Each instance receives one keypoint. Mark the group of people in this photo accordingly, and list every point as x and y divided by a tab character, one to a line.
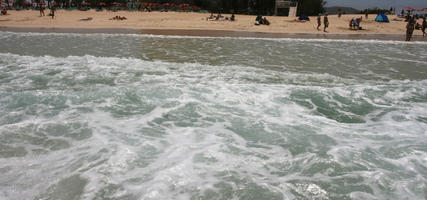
325	22
355	23
413	24
4	11
118	18
261	20
52	11
219	17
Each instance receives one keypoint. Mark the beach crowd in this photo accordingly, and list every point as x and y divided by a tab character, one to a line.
413	22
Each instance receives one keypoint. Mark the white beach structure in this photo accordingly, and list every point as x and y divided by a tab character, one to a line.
282	6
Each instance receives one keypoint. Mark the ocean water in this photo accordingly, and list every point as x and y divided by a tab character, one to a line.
153	117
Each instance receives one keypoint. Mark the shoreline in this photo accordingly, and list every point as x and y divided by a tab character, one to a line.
210	33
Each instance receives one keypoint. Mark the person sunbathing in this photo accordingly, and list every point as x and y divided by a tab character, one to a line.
118	18
86	19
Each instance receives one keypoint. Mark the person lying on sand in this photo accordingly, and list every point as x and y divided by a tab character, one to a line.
86	19
219	17
118	18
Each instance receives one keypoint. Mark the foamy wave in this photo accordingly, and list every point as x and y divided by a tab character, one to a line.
107	35
124	127
187	71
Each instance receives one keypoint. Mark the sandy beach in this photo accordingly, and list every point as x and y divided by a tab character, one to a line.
145	109
177	23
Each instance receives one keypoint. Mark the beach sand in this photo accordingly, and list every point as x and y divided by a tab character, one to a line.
179	23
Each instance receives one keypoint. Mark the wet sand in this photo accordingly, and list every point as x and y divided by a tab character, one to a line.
212	33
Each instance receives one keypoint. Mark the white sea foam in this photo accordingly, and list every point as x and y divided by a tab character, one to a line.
125	127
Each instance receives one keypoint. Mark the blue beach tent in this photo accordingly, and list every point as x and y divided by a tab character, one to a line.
382	18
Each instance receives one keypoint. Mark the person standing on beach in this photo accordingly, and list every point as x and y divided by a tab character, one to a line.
319	23
52	11
424	26
325	22
366	14
410	28
41	10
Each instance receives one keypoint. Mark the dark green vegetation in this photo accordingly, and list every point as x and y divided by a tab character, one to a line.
262	7
258	7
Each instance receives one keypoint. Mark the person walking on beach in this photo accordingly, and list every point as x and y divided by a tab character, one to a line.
424	26
319	23
325	22
52	11
366	14
410	28
41	10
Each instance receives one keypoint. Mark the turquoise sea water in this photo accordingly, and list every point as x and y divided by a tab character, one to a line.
151	117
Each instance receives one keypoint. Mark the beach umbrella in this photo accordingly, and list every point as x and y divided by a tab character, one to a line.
101	3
